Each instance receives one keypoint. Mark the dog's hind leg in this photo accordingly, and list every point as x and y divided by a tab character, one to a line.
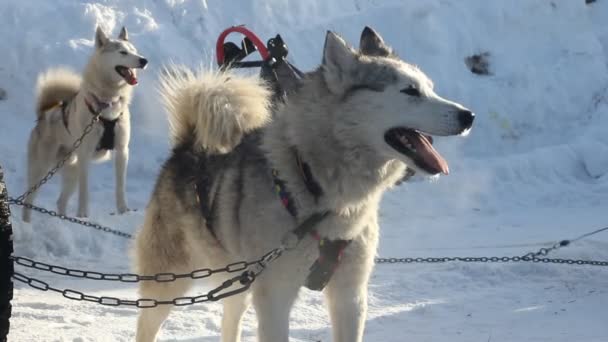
38	164
121	160
234	308
35	172
68	185
83	186
159	248
151	319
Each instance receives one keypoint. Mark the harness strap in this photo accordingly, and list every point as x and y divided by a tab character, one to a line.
280	189
90	107
309	180
330	251
202	187
63	105
308	226
64	115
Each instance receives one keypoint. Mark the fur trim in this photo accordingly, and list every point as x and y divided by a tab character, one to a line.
53	87
213	109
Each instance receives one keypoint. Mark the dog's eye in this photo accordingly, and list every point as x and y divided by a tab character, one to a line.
364	87
124	53
411	91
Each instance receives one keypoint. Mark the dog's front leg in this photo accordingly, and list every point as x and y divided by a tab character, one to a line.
273	297
347	299
346	293
121	161
348	310
83	187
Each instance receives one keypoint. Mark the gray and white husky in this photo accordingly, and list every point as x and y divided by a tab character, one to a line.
343	137
66	103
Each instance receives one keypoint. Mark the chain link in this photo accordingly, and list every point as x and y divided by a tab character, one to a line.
53	213
62	162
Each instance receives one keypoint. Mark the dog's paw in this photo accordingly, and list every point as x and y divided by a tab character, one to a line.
82	214
123	212
122	209
27	217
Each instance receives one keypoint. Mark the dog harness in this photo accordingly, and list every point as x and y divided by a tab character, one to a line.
107	138
330	251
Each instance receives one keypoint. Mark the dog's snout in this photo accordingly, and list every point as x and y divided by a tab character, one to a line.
466	117
143	62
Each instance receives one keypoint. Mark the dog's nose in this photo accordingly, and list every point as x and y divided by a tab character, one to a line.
143	62
466	117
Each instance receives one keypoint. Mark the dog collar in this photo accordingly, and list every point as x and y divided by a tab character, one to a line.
96	106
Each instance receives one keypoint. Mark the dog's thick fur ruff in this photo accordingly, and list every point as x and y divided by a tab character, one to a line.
64	105
335	121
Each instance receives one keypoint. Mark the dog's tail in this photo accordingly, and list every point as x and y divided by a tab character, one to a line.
212	110
53	87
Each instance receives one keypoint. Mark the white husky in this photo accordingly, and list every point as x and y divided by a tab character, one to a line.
66	103
344	136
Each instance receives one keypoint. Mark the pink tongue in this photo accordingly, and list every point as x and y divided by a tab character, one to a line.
425	150
130	77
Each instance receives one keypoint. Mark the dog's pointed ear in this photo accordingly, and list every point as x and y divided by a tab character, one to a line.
372	44
336	53
338	60
100	38
123	35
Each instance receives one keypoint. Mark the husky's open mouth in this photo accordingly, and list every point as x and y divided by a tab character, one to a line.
127	73
418	147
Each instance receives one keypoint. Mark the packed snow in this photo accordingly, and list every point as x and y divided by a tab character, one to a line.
533	171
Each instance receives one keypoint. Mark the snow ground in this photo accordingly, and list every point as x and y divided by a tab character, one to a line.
533	171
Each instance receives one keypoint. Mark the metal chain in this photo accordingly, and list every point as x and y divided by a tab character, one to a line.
71	219
545	251
243	265
529	257
62	162
130	277
250	270
244	281
216	294
491	260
